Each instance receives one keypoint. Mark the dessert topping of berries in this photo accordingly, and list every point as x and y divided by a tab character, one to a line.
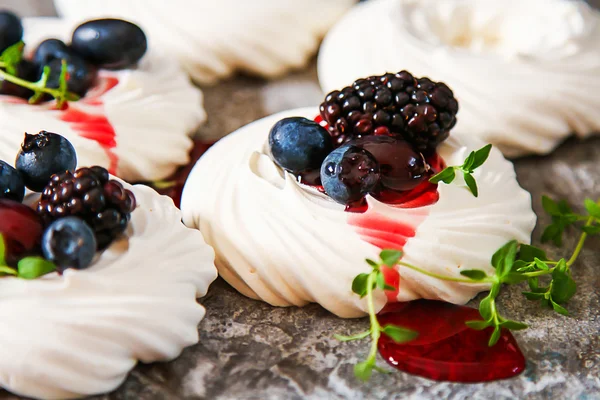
420	111
11	183
89	194
42	156
299	145
69	243
11	30
349	173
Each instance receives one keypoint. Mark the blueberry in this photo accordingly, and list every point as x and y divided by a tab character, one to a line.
11	30
349	173
11	183
42	156
49	50
110	43
69	243
299	144
81	74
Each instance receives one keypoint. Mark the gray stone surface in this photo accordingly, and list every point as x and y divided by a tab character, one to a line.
249	350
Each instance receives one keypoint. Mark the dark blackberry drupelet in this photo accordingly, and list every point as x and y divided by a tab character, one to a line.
89	194
420	111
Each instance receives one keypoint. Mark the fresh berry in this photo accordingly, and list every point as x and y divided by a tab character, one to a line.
11	183
110	43
69	243
51	49
401	168
419	110
81	75
21	228
299	144
11	30
91	195
42	156
349	173
25	70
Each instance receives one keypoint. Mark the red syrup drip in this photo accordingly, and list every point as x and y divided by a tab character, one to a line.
446	349
180	176
94	126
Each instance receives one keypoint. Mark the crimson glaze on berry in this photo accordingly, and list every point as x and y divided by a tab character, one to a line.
420	111
21	229
349	173
69	243
110	43
400	167
81	75
42	156
11	30
11	183
89	194
299	145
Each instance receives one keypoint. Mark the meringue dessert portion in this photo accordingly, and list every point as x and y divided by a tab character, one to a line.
80	334
290	244
213	40
136	122
526	72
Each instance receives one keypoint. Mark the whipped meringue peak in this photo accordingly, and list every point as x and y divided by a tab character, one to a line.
526	73
290	244
213	40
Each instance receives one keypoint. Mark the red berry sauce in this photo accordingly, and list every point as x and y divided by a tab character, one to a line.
446	349
95	126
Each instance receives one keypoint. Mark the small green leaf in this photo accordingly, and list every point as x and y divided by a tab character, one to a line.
513	325
540	264
6	270
481	156
522	266
553	232
359	284
474	274
591	230
513	277
477	325
592	208
504	258
363	370
563	285
34	267
380	280
399	334
358	336
372	263
485	308
467	166
559	309
471	184
533	296
12	56
495	336
564	208
447	175
390	257
550	206
529	253
2	251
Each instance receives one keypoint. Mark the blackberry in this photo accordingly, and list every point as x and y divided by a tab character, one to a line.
89	194
420	111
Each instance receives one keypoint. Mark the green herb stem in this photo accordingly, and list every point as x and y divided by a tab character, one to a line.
589	221
442	277
375	327
56	93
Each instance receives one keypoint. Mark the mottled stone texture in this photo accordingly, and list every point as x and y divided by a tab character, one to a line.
249	350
